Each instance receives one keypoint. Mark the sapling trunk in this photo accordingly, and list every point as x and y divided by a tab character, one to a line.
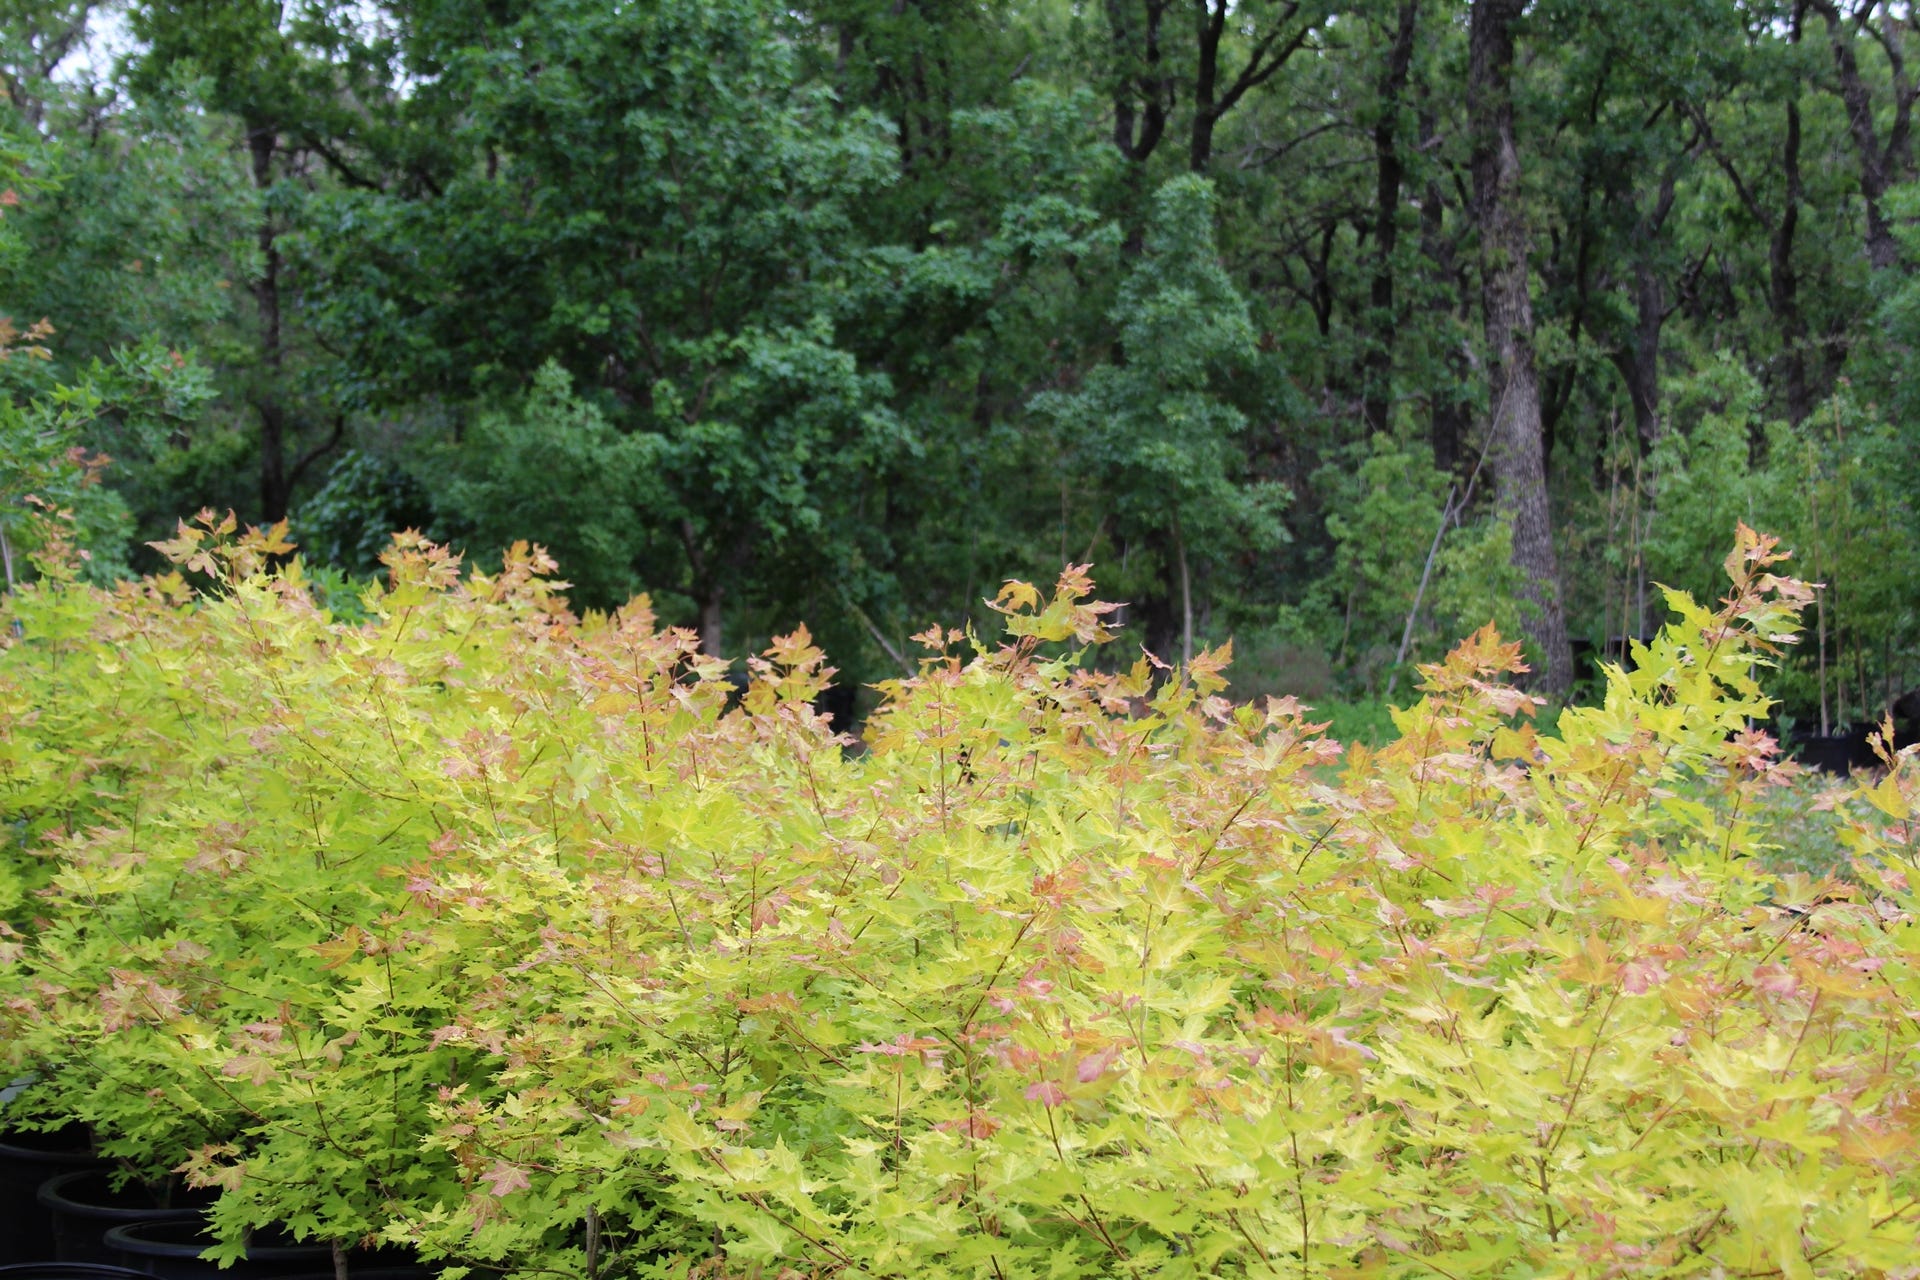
1840	718
1860	676
1613	504
1186	597
1820	626
1820	597
1419	593
340	1261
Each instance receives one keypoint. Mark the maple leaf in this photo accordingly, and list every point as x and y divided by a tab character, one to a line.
1047	1093
250	1067
504	1179
1094	1065
1871	1141
1590	964
975	1124
1015	595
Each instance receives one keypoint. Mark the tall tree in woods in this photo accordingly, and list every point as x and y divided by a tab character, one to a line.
655	202
1159	431
1169	63
295	94
1768	179
1625	257
1516	454
1389	165
1884	151
1270	34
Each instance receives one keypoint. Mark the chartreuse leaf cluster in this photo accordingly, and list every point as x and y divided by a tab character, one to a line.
516	937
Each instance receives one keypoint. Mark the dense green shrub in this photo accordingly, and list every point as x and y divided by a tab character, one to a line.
497	930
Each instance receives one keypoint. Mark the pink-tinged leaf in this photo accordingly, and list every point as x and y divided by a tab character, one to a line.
1637	977
1339	1036
1047	1093
248	1066
505	1179
975	1124
1095	1065
901	1046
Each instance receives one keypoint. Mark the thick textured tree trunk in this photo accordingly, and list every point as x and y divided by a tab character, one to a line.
1876	163
1377	375
1517	455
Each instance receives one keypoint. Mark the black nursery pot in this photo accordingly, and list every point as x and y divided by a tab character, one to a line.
26	1161
359	1273
171	1250
68	1271
85	1204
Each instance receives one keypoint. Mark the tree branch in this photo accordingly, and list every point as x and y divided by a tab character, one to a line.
318	451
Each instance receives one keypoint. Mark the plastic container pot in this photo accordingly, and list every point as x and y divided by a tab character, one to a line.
85	1204
68	1271
26	1161
171	1250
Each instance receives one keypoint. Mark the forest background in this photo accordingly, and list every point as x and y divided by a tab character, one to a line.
1337	329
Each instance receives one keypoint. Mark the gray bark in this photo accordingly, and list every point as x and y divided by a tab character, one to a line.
1517	455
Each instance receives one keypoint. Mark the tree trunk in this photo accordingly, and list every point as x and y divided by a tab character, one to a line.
1267	52
704	570
1210	26
712	637
1639	362
1783	283
1447	422
1517	455
1186	595
1875	176
1377	375
262	141
1137	72
1157	609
